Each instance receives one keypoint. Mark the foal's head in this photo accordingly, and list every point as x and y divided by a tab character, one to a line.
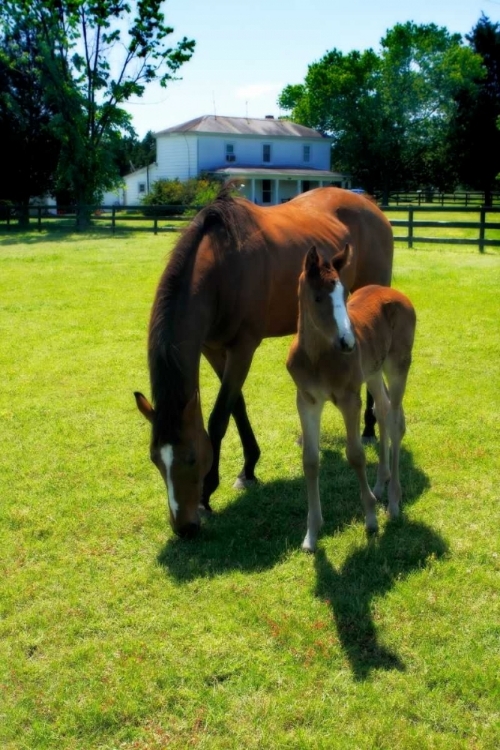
183	463
323	298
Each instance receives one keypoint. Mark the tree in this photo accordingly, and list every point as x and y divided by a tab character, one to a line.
94	56
389	112
132	154
475	138
25	119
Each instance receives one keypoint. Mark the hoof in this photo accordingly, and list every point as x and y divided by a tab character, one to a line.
205	511
243	484
368	439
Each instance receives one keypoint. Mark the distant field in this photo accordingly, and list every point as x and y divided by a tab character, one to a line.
114	635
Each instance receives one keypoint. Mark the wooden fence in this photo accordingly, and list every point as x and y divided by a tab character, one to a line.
481	226
170	218
463	198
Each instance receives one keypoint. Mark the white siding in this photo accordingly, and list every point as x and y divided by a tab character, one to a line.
285	152
177	156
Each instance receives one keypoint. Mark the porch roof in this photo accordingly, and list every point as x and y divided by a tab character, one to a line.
297	173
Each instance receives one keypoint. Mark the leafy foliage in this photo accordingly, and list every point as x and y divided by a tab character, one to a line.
389	112
25	119
179	195
93	57
475	139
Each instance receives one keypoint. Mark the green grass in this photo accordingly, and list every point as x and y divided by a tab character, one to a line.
114	635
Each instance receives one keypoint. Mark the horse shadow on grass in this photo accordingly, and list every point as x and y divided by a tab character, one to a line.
266	522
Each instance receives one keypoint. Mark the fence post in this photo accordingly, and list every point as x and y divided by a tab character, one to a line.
39	218
482	228
156	223
410	226
113	214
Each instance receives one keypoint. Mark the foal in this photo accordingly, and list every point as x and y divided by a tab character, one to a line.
337	348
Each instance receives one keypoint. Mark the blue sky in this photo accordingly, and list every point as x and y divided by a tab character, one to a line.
248	50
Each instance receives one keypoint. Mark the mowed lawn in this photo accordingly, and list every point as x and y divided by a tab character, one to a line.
114	634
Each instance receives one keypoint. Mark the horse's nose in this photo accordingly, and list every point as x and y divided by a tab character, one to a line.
189	530
345	345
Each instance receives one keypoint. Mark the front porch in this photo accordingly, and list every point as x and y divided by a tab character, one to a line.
268	187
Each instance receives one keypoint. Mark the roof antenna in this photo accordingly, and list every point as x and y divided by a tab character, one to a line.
246	108
213	99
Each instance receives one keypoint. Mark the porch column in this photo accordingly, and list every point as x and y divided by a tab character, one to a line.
253	189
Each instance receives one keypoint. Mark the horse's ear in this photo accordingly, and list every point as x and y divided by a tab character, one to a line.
312	261
144	406
339	261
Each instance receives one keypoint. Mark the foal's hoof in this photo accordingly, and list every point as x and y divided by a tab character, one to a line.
242	483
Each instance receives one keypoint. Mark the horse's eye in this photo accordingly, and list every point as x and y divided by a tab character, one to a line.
190	459
318	298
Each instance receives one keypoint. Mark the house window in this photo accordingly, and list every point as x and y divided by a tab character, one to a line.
141	188
307	153
230	155
266	191
266	153
306	185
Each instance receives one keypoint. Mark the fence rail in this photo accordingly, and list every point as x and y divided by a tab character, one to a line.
413	225
460	198
169	218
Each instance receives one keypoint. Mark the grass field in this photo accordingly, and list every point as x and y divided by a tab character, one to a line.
114	635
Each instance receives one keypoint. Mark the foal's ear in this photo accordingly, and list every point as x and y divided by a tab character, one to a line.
144	406
339	261
312	261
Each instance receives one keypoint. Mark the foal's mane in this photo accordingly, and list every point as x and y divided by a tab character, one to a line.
227	221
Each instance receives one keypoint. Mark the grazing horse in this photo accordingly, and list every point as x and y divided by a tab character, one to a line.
338	347
231	281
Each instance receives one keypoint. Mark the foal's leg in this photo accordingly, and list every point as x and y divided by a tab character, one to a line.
350	406
238	361
396	376
251	450
310	419
382	404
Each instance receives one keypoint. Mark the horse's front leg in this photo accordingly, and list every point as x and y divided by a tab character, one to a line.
251	450
310	419
229	398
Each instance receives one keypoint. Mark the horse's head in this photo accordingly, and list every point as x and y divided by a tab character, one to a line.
183	464
323	297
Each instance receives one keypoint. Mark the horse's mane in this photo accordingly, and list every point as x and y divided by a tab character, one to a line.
226	220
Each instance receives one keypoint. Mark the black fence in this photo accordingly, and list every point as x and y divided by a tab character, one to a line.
460	198
482	226
480	222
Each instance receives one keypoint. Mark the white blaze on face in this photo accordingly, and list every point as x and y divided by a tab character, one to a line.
167	456
341	317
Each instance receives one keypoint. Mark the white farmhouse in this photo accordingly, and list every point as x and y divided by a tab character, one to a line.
272	160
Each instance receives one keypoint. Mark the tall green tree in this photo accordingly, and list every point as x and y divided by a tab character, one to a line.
389	112
25	122
94	56
475	138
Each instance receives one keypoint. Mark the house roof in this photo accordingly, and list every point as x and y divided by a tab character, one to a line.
243	126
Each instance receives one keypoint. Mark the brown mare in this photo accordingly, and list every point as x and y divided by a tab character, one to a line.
231	281
339	347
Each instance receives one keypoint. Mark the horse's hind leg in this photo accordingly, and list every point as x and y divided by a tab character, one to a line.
382	405
310	420
251	450
350	407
